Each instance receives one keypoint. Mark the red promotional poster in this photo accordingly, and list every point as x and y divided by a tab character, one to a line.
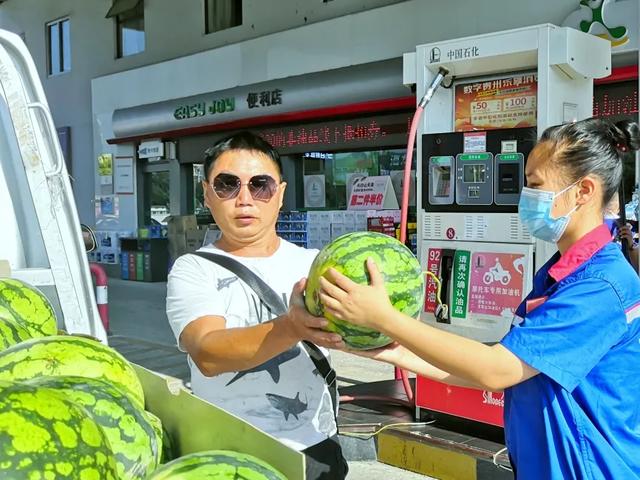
497	282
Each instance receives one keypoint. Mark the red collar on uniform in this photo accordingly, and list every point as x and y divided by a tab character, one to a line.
580	252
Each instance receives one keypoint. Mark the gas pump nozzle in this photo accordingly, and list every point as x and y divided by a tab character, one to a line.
442	72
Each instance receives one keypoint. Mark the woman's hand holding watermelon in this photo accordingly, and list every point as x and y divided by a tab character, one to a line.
304	326
394	353
364	305
401	357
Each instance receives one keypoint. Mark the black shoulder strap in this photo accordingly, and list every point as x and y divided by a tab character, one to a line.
273	301
270	298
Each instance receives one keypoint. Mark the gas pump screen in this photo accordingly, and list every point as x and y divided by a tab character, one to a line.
442	181
474	173
509	178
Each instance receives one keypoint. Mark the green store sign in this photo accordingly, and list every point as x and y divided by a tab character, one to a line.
200	109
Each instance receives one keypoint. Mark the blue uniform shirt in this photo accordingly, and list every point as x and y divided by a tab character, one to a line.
579	327
612	225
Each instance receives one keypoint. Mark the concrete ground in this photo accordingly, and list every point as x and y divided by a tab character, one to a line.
137	309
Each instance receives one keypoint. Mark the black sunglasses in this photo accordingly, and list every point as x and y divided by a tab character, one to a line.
227	186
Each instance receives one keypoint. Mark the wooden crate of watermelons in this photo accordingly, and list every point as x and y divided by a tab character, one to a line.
74	408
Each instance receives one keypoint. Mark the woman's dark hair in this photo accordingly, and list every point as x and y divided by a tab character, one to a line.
594	146
241	141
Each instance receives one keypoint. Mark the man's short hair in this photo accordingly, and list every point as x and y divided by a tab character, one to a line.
243	140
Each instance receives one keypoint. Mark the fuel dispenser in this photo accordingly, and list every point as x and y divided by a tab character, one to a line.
504	89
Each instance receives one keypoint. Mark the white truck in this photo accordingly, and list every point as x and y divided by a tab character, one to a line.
41	241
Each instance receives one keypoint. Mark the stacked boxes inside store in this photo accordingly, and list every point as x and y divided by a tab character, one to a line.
318	228
178	226
294	227
315	229
186	236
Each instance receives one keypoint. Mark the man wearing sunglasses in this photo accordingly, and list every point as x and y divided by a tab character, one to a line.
241	359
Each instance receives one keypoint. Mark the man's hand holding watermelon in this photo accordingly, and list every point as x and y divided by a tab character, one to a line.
303	326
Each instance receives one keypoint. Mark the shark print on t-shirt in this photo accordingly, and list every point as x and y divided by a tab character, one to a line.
288	406
285	396
272	367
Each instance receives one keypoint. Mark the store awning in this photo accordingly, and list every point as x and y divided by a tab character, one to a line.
121	6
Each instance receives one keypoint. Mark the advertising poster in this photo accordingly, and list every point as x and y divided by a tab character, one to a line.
107	206
373	193
123	173
509	102
497	282
105	169
352	179
314	191
433	265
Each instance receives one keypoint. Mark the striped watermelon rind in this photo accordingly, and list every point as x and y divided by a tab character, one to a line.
11	332
219	464
60	356
169	448
43	435
347	254
133	438
29	306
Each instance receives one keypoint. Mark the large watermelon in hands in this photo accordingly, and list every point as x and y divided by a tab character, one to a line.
60	356
218	465
43	435
29	306
348	254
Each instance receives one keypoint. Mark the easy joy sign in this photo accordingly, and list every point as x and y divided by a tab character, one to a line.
616	21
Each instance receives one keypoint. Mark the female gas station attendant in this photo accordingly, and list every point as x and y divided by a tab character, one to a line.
569	364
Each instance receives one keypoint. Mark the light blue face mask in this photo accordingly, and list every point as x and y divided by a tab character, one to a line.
534	210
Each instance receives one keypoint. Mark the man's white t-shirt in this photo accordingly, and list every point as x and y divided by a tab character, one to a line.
286	396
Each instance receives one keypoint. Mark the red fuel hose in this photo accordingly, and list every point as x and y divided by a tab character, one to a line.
404	210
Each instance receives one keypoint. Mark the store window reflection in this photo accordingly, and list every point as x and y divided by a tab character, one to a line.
341	170
158	197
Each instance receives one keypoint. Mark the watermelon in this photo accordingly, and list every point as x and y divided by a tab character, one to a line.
29	306
347	254
168	446
218	465
11	332
60	355
133	439
44	436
